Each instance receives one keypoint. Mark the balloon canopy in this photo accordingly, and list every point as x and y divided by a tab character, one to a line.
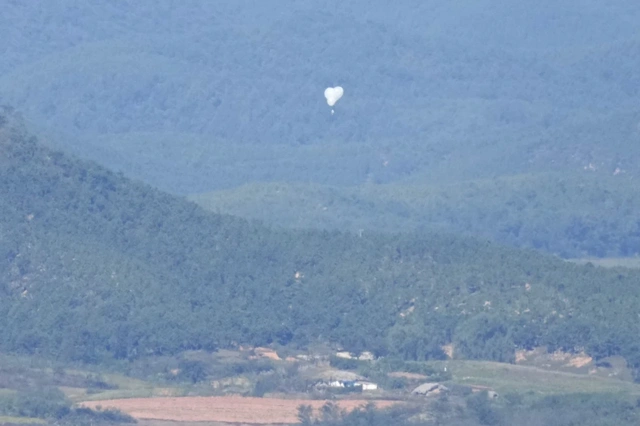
333	94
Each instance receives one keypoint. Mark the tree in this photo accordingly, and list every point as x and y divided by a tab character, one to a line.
305	414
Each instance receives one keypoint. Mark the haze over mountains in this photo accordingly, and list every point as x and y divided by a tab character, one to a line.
172	183
525	132
195	97
198	97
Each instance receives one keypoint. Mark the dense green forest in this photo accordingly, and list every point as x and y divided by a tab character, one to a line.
571	216
94	266
440	102
479	142
198	96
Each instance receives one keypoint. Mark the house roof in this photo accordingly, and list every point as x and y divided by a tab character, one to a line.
425	388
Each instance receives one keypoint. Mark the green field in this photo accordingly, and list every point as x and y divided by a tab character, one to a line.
506	378
127	387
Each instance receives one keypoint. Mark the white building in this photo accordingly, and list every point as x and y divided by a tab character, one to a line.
366	356
367	386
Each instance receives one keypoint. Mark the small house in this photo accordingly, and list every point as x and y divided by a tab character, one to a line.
367	386
429	389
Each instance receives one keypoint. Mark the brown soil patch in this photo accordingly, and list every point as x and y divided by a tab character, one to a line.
267	353
580	361
448	350
226	409
521	356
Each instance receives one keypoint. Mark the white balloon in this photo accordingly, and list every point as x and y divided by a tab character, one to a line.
333	94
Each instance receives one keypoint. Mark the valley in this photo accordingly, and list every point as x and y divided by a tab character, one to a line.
239	213
153	393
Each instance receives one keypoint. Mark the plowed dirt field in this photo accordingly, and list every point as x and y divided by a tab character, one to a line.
226	409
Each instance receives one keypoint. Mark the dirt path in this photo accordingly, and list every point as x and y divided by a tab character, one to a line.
226	409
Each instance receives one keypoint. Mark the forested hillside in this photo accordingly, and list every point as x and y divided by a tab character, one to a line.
521	124
571	216
198	96
96	266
